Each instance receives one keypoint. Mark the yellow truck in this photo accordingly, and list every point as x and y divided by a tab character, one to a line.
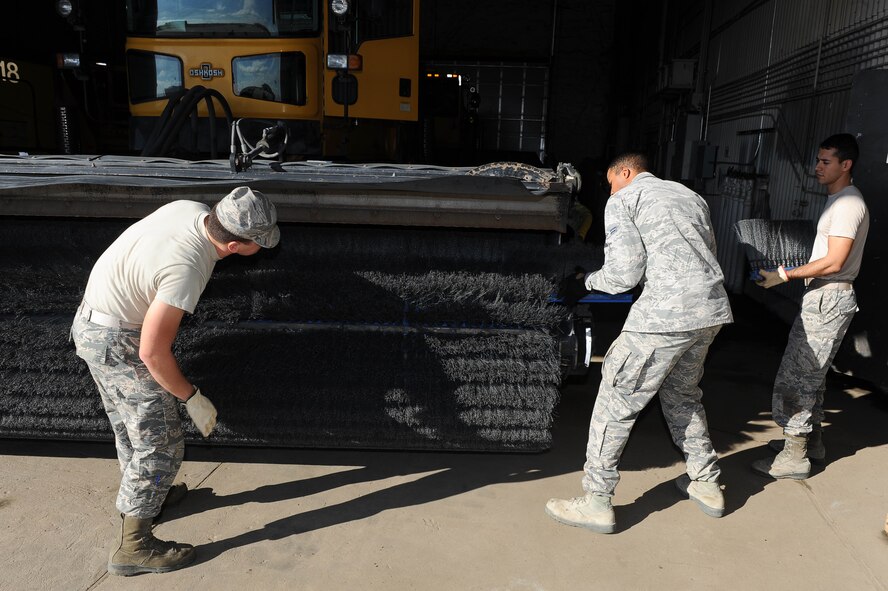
342	76
345	80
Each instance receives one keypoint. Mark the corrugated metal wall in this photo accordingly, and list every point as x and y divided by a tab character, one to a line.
777	81
732	204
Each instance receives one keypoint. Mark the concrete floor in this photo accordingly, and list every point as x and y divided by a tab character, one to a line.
329	520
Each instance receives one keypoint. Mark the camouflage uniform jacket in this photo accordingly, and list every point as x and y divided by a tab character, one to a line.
659	234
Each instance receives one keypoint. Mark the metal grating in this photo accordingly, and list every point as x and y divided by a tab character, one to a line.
819	67
733	204
514	101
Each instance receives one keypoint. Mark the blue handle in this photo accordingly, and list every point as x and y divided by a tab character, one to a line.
598	298
754	274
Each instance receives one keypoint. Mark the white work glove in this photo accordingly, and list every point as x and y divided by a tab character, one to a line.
202	412
771	278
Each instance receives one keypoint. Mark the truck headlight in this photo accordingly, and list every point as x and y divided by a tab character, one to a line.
341	61
67	61
64	8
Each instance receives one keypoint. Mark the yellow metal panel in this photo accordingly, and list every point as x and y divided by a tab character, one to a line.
220	53
386	61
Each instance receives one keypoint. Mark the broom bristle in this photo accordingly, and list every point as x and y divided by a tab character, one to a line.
773	243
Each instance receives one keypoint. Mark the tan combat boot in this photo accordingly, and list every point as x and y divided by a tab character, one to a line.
791	462
592	511
707	495
141	552
816	449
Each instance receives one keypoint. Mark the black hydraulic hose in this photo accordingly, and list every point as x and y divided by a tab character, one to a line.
149	148
188	107
171	113
209	95
180	107
193	120
211	118
182	111
191	116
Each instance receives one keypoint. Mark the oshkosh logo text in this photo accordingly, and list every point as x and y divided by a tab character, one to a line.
206	72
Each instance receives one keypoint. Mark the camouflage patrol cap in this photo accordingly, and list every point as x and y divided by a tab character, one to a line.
251	215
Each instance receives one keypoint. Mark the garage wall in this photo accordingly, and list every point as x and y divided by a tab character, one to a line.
773	78
769	69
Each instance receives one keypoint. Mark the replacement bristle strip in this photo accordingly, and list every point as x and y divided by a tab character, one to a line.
773	243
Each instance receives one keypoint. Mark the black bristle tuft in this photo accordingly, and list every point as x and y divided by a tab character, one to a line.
773	243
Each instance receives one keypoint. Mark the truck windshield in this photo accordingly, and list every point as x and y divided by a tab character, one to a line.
222	18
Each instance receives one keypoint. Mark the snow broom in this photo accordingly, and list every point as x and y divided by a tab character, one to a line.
406	308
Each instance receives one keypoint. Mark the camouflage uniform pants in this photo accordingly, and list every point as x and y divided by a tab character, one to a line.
144	416
814	339
638	366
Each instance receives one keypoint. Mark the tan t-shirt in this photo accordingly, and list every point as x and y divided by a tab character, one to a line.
167	255
845	216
